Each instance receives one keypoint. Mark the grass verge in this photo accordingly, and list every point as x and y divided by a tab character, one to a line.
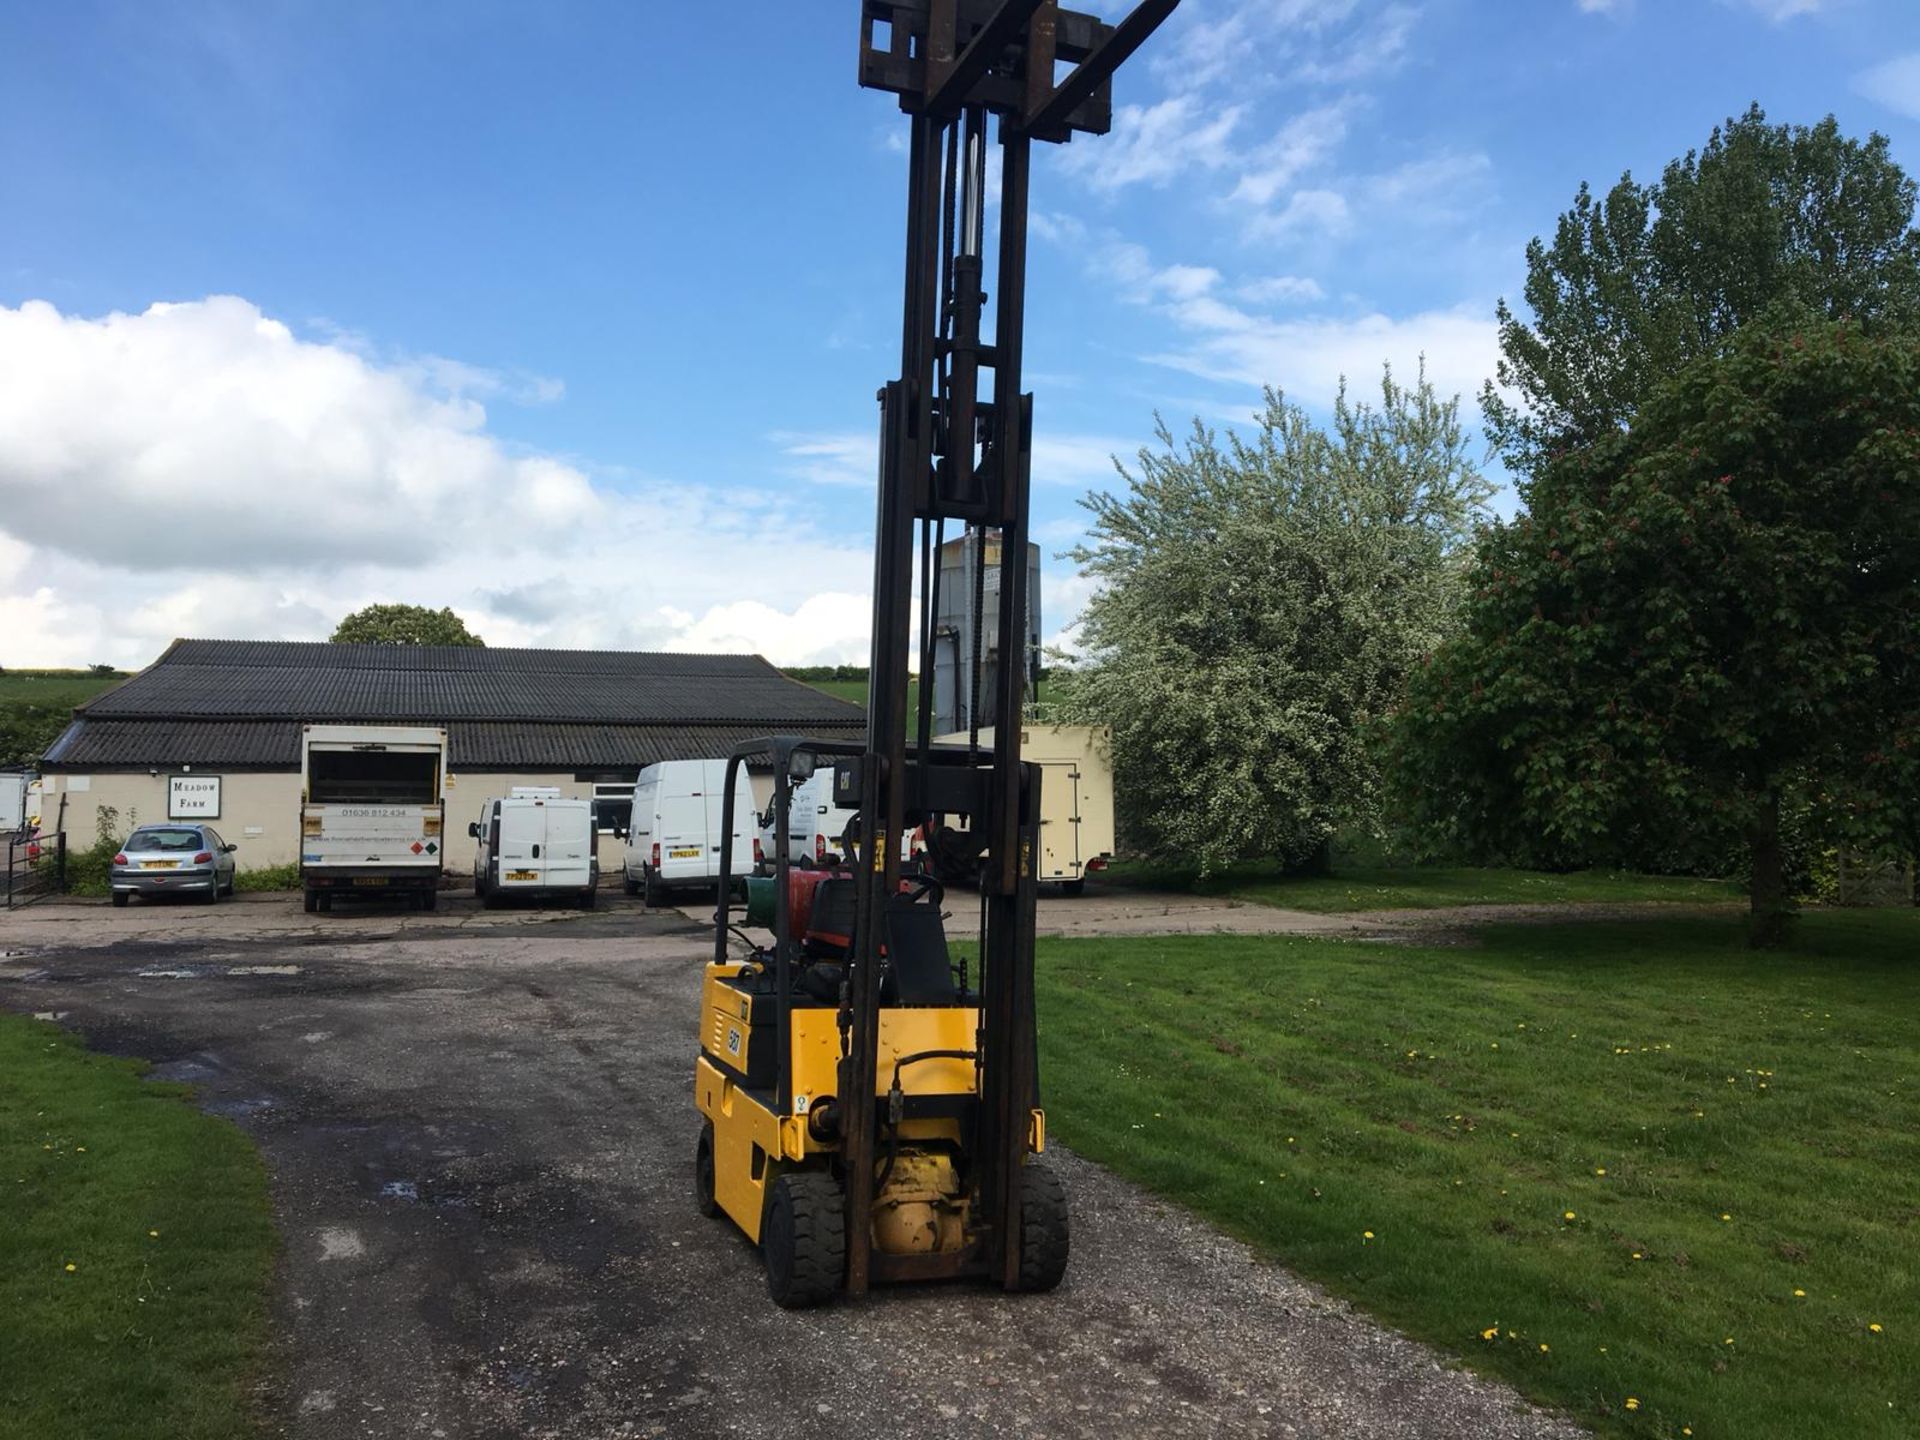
1611	1164
1420	887
135	1254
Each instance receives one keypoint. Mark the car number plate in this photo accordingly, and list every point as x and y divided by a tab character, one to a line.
369	879
691	852
159	864
523	874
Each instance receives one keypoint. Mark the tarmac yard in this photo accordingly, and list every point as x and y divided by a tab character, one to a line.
480	1132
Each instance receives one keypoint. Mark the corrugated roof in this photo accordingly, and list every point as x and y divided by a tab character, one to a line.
241	703
473	745
440	684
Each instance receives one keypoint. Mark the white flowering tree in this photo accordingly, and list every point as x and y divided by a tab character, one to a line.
1260	603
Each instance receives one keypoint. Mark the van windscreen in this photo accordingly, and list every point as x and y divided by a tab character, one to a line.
373	776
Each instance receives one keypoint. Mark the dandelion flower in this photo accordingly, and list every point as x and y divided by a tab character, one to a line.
1366	1234
1727	1341
71	1267
1799	1294
1632	1403
1492	1332
1601	1170
1637	1255
1726	1217
1874	1327
154	1234
1569	1215
1543	1348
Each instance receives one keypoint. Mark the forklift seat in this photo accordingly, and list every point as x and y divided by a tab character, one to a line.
917	949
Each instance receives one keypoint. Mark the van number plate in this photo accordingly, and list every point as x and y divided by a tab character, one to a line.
369	879
523	874
689	852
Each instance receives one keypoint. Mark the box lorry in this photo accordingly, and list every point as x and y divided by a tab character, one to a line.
1076	798
673	835
372	812
535	843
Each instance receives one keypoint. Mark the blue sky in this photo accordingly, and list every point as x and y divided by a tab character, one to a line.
570	316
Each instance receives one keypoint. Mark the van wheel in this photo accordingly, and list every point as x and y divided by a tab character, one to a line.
1073	888
310	902
629	884
587	898
806	1239
326	904
429	899
656	896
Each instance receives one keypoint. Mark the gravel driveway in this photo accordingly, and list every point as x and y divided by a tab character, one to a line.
479	1131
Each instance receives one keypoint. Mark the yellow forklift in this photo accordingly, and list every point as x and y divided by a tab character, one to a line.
869	1089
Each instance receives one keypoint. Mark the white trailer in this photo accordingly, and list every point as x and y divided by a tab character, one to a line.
536	843
14	787
372	812
1076	798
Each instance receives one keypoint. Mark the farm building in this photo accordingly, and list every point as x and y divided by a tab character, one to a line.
211	730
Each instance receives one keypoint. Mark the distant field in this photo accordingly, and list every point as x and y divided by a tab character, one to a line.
49	688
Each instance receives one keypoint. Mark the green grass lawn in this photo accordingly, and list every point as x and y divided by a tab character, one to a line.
1420	887
135	1251
1606	1162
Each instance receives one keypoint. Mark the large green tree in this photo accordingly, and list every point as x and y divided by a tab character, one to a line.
1696	624
1259	604
1764	219
405	625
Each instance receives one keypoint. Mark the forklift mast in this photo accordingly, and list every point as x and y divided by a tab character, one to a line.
956	436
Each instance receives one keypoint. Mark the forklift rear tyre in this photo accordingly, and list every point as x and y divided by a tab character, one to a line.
429	899
311	901
1043	1228
326	904
703	1174
805	1240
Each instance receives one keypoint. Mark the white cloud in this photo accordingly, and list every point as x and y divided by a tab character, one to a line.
1303	142
1779	11
198	469
1893	83
1602	7
1152	144
847	458
1305	210
1307	357
1281	289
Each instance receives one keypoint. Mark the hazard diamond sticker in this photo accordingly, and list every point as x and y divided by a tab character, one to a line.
418	847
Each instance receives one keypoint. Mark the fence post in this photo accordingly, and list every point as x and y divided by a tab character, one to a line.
60	865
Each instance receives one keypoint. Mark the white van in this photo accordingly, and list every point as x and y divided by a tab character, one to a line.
536	843
673	834
815	824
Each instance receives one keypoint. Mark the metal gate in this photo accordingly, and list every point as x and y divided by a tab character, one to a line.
36	866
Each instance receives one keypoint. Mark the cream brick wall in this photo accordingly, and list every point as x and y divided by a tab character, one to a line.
260	813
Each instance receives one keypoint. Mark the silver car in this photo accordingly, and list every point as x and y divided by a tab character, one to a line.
172	860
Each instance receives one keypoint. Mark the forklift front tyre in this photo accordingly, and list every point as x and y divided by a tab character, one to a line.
806	1239
703	1173
1044	1228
